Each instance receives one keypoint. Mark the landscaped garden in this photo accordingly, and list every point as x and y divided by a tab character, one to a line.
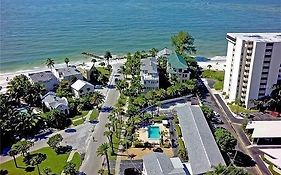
54	161
217	76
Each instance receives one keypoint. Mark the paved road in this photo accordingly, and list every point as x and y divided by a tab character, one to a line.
92	163
234	126
75	139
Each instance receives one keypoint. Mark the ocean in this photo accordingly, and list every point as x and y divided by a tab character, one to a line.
33	30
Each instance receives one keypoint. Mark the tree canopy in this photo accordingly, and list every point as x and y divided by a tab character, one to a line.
225	140
183	43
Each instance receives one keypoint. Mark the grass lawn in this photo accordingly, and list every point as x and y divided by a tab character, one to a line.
218	76
237	109
83	113
54	162
78	122
94	114
76	160
104	71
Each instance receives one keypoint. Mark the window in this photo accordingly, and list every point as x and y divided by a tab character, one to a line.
268	50
180	70
266	62
81	91
269	44
88	89
267	56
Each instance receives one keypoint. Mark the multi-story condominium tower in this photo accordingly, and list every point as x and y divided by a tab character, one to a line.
253	65
149	74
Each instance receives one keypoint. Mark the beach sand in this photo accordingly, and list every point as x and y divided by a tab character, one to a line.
217	63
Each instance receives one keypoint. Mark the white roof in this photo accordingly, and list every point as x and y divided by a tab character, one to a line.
86	66
79	84
275	155
165	122
164	52
258	37
265	129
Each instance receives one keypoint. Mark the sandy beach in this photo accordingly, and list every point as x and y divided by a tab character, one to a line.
6	77
217	63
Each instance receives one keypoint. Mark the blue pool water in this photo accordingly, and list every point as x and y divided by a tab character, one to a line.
154	132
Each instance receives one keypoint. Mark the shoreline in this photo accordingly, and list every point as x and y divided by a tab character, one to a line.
217	63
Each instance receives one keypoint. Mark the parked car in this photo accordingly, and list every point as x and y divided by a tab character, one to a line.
106	109
69	130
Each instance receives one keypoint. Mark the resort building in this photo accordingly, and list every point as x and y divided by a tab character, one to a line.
253	65
70	74
177	68
164	53
274	157
159	164
51	101
46	79
86	70
81	88
201	147
149	74
265	132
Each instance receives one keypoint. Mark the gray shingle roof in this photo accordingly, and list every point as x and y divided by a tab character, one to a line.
149	64
42	76
203	151
53	100
159	164
68	71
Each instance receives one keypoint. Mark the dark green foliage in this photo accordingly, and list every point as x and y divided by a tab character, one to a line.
225	140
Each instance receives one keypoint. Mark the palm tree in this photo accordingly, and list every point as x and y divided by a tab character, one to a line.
97	98
18	86
70	169
25	122
50	63
22	146
107	56
13	153
103	151
66	60
109	135
163	134
153	52
209	66
35	159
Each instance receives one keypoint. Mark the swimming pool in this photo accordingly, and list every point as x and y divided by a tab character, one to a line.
153	132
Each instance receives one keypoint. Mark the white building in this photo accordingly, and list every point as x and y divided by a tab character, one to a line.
265	132
253	65
45	78
81	87
51	101
149	74
69	74
164	53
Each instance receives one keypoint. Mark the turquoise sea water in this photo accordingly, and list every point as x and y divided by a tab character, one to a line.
33	30
153	132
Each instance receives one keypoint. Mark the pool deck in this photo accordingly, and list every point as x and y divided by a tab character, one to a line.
143	134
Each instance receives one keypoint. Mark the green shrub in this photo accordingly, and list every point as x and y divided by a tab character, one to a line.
178	129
